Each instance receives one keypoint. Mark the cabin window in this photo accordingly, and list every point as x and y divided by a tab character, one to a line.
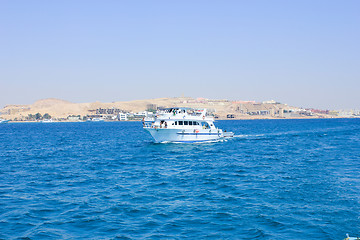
176	123
190	122
195	123
186	123
205	125
180	122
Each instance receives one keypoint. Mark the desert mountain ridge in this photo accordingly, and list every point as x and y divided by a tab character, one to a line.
62	109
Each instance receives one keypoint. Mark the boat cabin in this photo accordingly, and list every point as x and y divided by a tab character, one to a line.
181	118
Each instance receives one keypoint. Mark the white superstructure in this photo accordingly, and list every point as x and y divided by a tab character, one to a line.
183	125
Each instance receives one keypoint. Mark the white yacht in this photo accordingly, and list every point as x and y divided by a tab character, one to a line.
3	120
183	125
97	120
47	120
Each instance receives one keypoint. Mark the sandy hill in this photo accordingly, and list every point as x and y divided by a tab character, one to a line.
58	108
49	102
55	107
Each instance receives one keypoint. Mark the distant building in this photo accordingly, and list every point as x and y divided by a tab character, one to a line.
151	107
140	114
73	118
270	102
123	116
333	113
108	111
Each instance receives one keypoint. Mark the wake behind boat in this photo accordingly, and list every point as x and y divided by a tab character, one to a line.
183	125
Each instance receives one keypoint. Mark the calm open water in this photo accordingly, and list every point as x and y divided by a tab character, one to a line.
277	179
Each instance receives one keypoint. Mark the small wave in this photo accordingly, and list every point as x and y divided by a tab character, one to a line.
191	142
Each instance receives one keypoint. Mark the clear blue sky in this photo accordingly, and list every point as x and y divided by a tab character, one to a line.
305	53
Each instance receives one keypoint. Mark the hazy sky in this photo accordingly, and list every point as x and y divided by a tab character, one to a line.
304	53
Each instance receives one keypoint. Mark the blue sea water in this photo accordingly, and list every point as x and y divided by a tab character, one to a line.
276	179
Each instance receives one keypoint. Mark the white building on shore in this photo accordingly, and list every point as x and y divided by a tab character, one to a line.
123	116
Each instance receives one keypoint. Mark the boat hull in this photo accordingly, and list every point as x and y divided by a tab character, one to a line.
179	135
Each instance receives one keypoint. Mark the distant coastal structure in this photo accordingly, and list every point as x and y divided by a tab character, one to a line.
61	110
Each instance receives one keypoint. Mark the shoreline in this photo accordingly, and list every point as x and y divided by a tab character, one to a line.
242	119
223	109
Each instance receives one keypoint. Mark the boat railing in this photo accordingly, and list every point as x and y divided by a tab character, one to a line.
147	124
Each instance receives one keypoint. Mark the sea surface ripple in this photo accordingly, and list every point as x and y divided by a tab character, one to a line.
276	179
